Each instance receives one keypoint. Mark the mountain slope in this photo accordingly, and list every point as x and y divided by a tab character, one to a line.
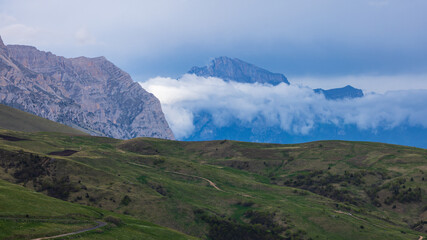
233	69
26	214
91	93
319	190
17	120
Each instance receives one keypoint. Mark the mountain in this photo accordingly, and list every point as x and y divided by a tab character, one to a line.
91	94
212	190
340	93
17	120
233	69
260	129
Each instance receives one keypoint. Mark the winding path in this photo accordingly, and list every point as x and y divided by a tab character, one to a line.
194	176
207	180
100	224
183	174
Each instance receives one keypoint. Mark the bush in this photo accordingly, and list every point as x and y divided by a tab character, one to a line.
142	179
261	226
114	220
245	204
125	201
262	218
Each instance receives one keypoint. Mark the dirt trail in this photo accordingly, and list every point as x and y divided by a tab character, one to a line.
207	180
183	174
360	219
188	175
142	165
349	214
100	224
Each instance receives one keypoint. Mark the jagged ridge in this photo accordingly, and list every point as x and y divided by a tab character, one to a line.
233	69
89	93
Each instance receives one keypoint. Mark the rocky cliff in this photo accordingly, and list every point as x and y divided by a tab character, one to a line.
91	94
233	69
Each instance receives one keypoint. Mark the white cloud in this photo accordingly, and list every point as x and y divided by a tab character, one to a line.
17	33
84	37
6	19
378	84
179	119
296	109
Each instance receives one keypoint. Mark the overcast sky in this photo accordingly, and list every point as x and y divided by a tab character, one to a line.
310	41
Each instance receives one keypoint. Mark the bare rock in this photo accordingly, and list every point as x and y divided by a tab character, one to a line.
91	94
233	69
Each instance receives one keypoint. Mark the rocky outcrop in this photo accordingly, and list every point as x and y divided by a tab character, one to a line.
91	94
233	69
340	93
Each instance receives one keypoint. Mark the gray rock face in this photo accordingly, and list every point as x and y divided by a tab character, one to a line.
340	93
3	49
239	71
91	94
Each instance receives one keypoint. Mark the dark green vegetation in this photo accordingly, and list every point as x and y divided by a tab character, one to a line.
17	120
319	190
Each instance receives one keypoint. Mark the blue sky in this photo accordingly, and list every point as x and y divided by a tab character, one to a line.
304	39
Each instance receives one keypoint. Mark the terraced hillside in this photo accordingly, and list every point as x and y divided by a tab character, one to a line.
231	190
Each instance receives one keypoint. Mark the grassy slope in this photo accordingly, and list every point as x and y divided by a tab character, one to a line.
14	119
143	170
382	164
27	214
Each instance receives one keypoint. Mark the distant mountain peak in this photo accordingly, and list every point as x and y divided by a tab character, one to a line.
340	93
234	69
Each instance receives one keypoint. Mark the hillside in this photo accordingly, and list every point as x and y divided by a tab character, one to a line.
17	120
220	189
26	214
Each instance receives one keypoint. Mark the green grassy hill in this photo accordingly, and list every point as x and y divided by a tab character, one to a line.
228	189
26	214
17	120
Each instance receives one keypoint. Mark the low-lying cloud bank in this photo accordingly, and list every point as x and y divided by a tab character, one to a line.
294	108
368	83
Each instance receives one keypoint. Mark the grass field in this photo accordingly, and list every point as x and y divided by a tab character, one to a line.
25	214
319	190
17	120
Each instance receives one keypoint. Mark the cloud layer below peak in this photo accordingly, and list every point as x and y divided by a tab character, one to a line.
296	109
